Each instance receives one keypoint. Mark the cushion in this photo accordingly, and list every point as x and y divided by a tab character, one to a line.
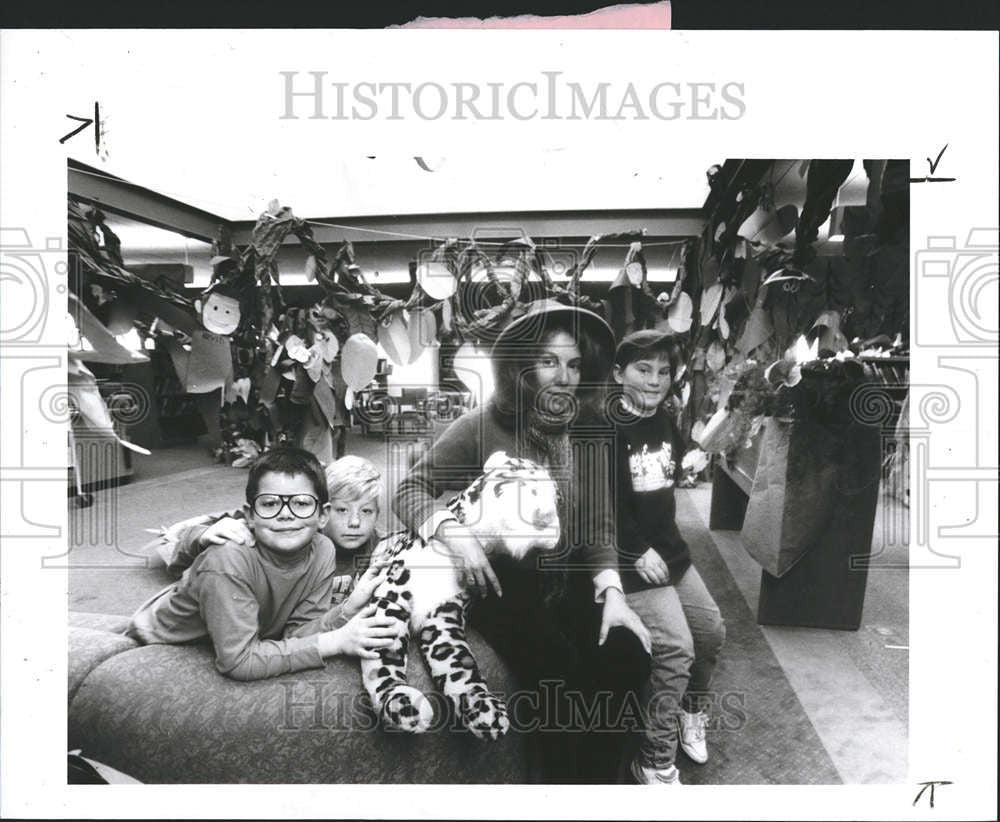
162	713
90	646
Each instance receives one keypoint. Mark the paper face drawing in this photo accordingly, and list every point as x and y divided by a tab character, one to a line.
220	314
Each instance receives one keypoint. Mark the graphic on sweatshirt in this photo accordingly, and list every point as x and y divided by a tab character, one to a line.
652	470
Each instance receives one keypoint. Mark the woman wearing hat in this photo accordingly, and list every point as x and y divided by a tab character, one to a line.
565	628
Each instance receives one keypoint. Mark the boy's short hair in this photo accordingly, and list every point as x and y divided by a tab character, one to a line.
649	343
287	459
353	478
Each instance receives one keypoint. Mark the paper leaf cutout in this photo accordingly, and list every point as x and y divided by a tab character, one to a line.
394	337
710	301
326	346
446	317
295	347
757	331
436	280
633	271
423	332
723	326
715	357
314	366
358	361
679	315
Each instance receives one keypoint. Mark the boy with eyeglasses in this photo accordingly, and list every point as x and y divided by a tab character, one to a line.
265	602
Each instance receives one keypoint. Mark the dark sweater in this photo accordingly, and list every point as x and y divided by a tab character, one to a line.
457	458
648	454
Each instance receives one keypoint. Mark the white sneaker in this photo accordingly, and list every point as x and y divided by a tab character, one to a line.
651	776
692	741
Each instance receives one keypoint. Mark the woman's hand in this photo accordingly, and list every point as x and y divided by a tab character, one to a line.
617	612
652	568
362	636
365	587
471	565
226	529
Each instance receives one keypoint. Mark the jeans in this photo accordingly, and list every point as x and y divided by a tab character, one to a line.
687	632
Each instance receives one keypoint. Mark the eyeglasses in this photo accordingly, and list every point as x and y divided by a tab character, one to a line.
268	506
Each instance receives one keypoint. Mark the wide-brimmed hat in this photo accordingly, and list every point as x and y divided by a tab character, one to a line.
529	328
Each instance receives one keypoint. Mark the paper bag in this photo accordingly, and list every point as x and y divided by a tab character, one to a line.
794	493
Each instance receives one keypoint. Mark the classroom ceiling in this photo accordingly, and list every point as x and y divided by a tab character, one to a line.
239	185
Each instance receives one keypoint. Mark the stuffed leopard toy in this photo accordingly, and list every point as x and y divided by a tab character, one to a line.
511	507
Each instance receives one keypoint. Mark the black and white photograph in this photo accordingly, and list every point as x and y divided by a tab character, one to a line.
401	450
576	468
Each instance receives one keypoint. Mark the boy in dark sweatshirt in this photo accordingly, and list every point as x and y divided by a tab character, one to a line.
661	584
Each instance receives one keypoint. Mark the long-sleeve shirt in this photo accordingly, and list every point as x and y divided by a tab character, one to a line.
261	611
648	456
457	458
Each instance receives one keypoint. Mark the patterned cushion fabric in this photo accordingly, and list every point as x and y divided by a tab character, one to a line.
163	714
88	648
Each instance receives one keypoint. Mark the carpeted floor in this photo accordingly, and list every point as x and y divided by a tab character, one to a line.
760	733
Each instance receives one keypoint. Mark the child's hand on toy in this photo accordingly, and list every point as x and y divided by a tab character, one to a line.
226	529
365	587
362	636
652	568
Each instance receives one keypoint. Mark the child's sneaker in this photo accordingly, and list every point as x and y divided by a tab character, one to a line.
651	776
692	741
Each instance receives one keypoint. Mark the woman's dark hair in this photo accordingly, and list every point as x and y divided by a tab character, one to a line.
289	460
511	371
